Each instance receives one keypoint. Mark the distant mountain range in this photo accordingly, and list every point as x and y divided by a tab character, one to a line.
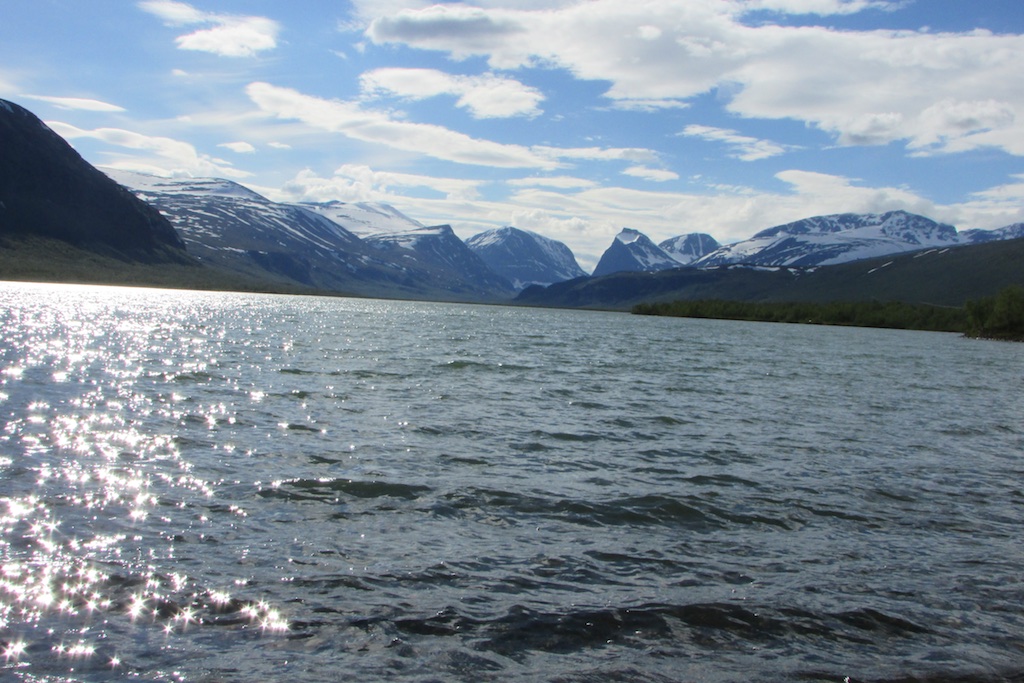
946	276
317	245
839	238
817	241
225	235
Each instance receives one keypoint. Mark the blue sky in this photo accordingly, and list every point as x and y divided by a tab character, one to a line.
570	118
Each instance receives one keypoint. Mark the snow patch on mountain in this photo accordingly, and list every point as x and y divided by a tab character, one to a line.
142	184
627	236
366	219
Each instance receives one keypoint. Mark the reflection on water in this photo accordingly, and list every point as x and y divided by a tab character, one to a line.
227	487
96	493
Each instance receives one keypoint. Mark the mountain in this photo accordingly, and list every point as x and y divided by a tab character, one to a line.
941	276
452	266
1010	232
365	219
837	238
688	248
525	258
633	251
449	266
229	226
49	192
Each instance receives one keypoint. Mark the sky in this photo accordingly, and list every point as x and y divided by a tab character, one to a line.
570	118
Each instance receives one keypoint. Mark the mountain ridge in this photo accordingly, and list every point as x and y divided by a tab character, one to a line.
944	276
47	190
525	258
633	251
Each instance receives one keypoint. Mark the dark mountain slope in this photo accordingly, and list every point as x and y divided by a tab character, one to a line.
48	191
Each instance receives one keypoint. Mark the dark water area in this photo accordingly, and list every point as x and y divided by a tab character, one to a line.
227	487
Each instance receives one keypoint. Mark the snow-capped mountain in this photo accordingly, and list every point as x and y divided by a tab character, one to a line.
227	225
365	219
837	238
436	250
688	248
525	258
47	190
1010	232
631	250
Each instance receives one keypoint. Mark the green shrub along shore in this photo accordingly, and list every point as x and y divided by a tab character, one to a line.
998	317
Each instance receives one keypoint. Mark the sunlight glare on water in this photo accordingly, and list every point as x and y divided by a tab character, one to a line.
99	493
230	487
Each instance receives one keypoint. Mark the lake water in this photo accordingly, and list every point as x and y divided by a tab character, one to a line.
228	487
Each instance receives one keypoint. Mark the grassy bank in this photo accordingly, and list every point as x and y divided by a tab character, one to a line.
999	317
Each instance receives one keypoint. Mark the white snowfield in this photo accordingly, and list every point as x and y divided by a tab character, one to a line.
370	220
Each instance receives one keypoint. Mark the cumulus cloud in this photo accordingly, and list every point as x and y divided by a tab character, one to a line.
227	35
486	96
76	103
937	92
459	29
744	147
172	157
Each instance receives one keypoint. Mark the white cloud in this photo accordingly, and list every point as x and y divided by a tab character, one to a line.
653	174
76	103
355	182
937	92
823	7
632	154
359	123
228	35
172	157
238	147
1010	192
356	122
563	182
174	13
7	88
649	105
486	96
744	147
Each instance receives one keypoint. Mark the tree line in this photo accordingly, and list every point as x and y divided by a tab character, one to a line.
998	317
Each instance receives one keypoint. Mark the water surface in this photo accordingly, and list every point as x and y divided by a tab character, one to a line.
229	487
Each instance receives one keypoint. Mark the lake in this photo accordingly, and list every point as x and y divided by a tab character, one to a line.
234	487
